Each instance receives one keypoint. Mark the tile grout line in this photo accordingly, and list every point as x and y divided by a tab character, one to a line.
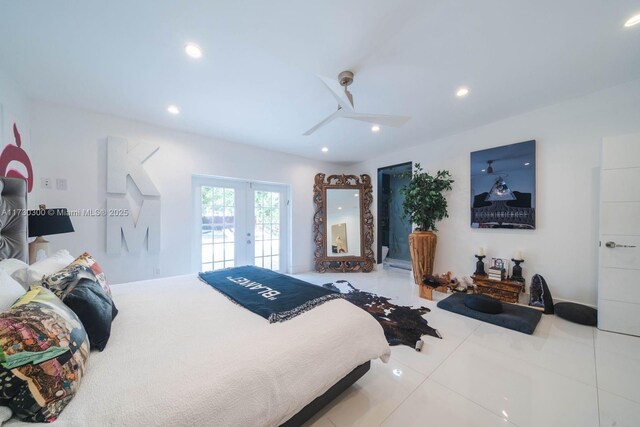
428	376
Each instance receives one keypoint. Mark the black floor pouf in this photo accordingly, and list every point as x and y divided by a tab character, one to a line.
577	313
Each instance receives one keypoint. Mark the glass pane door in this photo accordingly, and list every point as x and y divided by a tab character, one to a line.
267	229
239	223
218	227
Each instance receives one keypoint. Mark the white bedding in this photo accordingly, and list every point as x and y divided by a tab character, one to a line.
181	354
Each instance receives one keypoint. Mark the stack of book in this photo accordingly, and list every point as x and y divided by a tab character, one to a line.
496	273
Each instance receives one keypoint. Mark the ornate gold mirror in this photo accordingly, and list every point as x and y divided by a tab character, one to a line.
343	223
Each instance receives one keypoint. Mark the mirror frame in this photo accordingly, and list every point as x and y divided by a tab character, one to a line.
366	261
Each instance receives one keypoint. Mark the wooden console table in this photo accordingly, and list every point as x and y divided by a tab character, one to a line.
504	290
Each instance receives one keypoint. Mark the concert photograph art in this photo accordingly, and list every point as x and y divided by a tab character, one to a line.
503	187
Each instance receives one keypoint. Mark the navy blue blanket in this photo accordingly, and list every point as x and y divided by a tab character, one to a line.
272	295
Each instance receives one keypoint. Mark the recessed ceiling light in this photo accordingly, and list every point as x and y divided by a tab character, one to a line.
173	109
527	164
375	128
193	50
339	208
325	149
463	91
634	20
483	170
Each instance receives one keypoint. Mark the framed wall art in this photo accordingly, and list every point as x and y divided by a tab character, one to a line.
503	187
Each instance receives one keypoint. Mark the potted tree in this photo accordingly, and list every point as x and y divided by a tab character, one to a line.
424	204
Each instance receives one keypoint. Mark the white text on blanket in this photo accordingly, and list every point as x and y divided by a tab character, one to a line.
265	291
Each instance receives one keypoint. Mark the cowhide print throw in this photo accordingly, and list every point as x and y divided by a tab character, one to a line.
402	324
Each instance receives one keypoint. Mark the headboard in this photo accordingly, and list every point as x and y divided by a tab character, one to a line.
13	219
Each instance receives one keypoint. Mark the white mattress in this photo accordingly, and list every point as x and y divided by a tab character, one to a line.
181	354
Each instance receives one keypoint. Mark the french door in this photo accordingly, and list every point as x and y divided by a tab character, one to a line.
240	223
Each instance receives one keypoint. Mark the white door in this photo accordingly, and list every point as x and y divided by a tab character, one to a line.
240	223
619	281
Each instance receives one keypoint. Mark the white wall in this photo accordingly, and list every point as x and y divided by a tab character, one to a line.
13	100
564	246
71	143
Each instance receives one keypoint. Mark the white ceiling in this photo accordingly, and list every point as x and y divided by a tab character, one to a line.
256	83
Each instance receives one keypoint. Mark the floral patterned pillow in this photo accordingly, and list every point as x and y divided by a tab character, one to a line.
43	353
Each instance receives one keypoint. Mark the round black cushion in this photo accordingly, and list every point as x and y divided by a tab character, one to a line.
577	313
483	303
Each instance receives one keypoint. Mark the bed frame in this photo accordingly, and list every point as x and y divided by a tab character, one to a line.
323	400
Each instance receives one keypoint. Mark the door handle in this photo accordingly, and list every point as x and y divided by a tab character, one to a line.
612	245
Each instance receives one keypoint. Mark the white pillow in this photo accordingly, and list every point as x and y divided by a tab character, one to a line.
10	290
11	265
45	267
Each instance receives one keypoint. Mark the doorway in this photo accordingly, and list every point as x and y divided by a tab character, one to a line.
240	223
618	290
393	229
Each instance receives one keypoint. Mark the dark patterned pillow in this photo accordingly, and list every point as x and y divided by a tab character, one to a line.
78	288
43	352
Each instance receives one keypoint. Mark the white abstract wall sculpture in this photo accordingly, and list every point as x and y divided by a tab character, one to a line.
122	162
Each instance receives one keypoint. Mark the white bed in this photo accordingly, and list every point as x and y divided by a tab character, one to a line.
181	354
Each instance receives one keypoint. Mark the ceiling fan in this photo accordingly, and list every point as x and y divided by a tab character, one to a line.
345	105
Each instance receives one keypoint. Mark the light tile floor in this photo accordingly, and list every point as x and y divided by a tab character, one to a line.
483	375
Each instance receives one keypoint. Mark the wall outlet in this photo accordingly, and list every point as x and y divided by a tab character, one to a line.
61	184
46	183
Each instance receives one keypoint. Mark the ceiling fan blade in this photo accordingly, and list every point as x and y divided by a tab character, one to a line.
338	92
379	119
333	116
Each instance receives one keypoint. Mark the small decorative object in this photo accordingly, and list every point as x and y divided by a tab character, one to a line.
480	266
540	294
517	270
503	187
419	345
502	264
424	204
444	283
432	281
460	288
468	282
